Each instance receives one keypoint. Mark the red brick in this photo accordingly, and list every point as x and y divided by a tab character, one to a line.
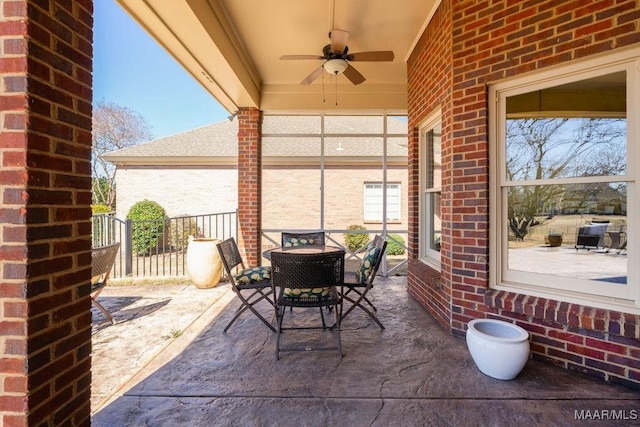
15	384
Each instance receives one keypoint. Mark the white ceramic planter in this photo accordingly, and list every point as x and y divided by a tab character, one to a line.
204	265
499	349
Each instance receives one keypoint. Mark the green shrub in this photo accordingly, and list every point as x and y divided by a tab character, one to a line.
354	241
395	244
147	227
181	229
100	209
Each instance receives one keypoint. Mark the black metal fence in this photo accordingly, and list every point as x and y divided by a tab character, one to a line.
163	251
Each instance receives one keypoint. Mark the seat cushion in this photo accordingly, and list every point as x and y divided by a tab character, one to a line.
290	242
368	261
307	292
253	275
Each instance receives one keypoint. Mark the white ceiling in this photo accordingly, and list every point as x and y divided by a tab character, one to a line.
233	47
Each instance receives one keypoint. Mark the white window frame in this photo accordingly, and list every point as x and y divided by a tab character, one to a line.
426	253
394	201
546	285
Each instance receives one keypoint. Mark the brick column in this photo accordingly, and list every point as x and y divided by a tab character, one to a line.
45	188
250	184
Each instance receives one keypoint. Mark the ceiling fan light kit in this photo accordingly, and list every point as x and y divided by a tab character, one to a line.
338	60
335	66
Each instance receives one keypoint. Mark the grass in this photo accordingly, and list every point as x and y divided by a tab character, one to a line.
175	333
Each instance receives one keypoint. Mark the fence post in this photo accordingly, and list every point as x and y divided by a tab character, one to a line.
128	251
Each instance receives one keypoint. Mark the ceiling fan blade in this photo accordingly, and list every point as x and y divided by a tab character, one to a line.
301	57
311	77
339	40
380	55
353	75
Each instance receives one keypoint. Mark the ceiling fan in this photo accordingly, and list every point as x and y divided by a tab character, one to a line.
337	59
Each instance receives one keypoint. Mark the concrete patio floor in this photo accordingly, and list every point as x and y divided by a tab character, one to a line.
167	362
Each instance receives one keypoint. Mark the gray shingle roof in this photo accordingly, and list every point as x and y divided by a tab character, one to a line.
219	140
215	140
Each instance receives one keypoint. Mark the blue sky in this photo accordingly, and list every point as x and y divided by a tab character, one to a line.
131	70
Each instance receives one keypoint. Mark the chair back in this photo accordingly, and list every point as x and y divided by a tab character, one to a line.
381	244
299	271
302	239
230	255
102	259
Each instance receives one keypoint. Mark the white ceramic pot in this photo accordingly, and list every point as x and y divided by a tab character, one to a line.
499	349
204	265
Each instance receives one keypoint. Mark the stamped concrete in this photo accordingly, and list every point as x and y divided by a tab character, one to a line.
411	373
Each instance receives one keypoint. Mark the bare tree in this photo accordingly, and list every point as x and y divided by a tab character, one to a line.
114	127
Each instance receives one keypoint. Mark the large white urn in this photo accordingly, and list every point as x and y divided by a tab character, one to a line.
204	265
499	349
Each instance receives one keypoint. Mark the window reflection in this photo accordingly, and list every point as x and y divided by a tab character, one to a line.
576	230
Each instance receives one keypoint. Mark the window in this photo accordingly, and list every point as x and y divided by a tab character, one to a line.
373	197
430	183
563	146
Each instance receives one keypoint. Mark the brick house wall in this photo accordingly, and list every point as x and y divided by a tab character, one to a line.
430	70
45	186
185	190
467	45
286	187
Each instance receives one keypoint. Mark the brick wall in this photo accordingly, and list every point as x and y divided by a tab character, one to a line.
490	41
186	190
45	186
250	183
292	196
430	81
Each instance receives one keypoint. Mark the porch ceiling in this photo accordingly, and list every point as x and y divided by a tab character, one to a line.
233	48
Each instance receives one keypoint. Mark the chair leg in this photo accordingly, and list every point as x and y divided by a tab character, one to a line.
336	311
358	303
247	304
281	312
104	311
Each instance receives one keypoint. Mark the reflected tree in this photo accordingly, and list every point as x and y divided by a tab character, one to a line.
557	147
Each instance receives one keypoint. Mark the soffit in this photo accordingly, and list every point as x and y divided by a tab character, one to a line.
232	47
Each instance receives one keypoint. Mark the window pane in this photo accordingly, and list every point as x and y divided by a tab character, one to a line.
434	156
576	231
577	129
435	221
547	148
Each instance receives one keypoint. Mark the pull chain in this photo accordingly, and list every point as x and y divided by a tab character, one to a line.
323	96
336	90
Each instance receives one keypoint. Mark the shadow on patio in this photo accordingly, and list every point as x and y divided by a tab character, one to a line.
411	373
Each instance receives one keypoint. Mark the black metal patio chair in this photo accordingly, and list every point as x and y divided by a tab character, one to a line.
358	284
308	281
102	259
256	280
